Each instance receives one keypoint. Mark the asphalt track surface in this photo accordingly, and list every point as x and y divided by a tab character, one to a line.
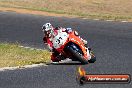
111	42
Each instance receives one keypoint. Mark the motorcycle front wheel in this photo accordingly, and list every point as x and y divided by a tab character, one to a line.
77	55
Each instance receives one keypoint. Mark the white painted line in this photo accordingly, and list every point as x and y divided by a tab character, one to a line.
31	48
22	67
96	19
8	68
85	18
39	49
124	21
33	65
27	47
21	46
109	20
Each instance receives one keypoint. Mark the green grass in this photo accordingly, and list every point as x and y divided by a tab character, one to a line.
97	9
13	55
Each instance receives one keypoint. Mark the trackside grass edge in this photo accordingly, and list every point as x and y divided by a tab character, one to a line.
13	55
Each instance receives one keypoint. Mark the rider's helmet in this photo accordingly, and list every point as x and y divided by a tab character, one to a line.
48	29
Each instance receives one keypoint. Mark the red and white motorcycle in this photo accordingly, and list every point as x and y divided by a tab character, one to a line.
71	46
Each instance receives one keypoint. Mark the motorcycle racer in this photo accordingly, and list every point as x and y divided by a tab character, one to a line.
49	33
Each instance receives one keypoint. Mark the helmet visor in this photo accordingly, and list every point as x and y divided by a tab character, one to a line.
47	32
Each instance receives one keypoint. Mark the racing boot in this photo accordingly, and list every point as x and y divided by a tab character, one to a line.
88	53
65	60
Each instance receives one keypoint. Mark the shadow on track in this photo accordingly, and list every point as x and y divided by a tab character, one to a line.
71	63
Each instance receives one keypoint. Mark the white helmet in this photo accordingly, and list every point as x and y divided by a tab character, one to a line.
47	28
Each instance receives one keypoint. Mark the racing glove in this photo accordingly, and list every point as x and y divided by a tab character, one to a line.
45	39
68	30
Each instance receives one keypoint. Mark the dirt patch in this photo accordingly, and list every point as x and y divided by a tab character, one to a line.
118	10
25	11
